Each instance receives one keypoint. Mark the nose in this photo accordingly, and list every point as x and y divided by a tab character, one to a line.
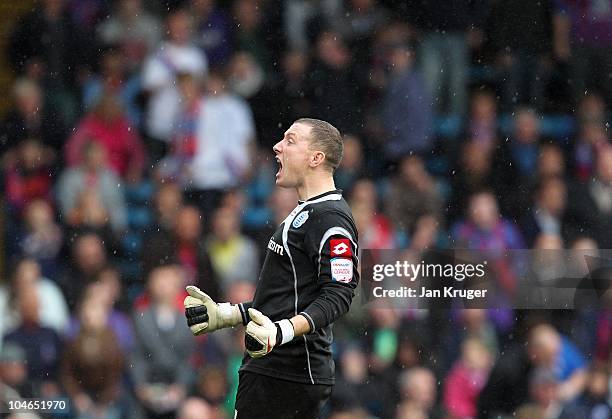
277	147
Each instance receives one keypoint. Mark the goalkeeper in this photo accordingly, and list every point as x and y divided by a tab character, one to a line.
307	281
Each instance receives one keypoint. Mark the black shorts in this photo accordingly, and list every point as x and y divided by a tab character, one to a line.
263	397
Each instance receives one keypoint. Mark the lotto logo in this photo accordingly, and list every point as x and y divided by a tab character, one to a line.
340	247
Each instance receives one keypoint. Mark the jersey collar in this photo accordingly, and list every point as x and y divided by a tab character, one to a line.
336	191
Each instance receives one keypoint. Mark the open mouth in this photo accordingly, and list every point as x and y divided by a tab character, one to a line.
280	166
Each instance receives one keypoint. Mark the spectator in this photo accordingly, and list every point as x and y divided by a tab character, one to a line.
591	135
264	96
546	216
41	238
88	258
543	390
524	143
280	100
365	191
168	201
466	379
27	279
406	107
176	55
42	345
413	193
28	177
364	18
394	33
89	214
105	293
32	117
591	138
246	77
506	388
469	323
160	372
591	207
520	40
476	170
482	126
375	230
107	125
592	108
115	80
332	86
93	363
133	30
548	349
354	384
185	246
249	35
551	162
583	36
426	234
13	374
212	386
224	137
594	402
418	389
484	228
547	268
448	30
92	176
226	244
290	95
213	31
183	146
48	47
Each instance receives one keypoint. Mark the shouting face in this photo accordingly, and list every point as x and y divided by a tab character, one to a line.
293	155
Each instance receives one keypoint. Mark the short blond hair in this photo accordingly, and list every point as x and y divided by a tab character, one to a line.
325	137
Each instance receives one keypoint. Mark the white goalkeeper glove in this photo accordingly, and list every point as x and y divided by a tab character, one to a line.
205	316
262	334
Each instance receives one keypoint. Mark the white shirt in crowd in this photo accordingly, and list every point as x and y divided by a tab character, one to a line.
225	129
159	77
53	310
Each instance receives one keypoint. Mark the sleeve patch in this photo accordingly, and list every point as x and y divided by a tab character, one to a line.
340	248
342	270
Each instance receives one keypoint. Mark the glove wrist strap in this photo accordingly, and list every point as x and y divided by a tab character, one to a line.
229	314
284	331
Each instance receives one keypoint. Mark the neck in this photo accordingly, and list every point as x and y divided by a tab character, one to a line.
316	185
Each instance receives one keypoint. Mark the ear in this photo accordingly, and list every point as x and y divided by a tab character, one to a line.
316	159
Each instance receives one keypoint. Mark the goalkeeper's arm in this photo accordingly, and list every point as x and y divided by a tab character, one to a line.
205	315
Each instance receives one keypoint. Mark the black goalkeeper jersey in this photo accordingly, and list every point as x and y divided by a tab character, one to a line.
310	268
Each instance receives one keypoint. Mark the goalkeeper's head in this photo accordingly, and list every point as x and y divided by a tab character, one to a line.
310	149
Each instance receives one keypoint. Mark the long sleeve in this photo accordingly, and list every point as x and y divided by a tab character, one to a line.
332	245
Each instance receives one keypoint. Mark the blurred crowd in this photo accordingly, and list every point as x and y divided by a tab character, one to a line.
136	159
